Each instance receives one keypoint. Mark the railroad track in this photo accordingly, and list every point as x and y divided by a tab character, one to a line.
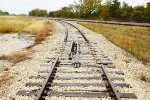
82	70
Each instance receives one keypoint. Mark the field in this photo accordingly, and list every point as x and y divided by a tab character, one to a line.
23	25
134	40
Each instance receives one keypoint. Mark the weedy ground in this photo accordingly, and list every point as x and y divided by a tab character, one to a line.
23	25
135	40
35	26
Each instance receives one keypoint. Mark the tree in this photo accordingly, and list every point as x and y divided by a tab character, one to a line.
147	12
67	12
126	12
105	12
108	2
38	13
3	13
114	9
90	8
55	13
111	10
138	14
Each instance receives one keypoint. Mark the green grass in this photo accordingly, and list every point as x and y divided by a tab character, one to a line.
135	40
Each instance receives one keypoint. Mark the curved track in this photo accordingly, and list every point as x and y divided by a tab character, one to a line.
82	70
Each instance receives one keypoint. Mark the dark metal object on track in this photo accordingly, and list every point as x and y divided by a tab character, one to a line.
77	63
71	51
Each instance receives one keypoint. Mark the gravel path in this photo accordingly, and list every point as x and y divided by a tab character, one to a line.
19	74
125	62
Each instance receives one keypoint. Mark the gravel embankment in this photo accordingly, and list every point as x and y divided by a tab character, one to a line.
17	76
123	61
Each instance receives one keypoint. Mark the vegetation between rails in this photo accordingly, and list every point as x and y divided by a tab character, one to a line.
134	40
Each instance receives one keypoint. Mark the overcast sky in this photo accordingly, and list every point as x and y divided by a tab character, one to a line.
24	6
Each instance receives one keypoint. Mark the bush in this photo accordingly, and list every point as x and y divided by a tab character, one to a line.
38	13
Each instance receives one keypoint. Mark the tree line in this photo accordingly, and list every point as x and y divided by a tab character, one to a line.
110	10
95	9
3	13
38	13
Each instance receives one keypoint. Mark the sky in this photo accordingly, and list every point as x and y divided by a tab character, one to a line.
24	6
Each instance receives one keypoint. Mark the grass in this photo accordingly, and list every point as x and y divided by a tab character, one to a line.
17	56
36	26
143	77
23	25
43	32
135	40
11	24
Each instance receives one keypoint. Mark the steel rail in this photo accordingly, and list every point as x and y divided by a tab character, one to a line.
71	51
77	63
66	31
42	90
75	50
105	73
78	31
116	94
110	22
66	35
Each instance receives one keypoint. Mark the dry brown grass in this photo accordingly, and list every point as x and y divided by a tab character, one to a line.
143	77
16	57
42	34
134	40
13	24
40	28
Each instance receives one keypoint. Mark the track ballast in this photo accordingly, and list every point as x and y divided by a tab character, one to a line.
81	71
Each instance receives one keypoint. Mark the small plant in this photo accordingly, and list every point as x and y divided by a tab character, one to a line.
42	34
16	57
6	69
143	77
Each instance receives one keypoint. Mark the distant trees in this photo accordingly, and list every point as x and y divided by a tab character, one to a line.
83	9
126	12
138	13
90	8
38	13
21	15
114	9
105	12
3	13
111	10
147	12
